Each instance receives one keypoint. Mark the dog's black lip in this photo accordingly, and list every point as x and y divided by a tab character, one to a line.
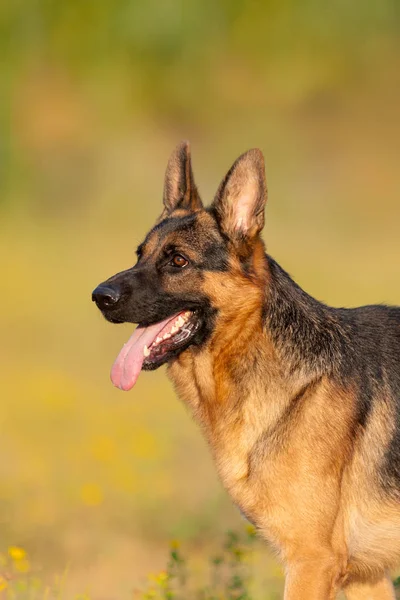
114	321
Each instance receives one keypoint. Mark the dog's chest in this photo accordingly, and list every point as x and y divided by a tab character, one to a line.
236	429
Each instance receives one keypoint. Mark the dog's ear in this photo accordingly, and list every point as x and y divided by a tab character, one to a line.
180	190
241	197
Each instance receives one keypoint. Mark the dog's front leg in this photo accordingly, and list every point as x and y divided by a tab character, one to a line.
313	579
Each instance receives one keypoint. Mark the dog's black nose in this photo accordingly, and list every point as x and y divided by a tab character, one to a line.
105	296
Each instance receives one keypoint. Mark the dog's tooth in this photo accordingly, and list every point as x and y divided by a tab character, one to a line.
166	336
180	322
174	329
158	340
146	351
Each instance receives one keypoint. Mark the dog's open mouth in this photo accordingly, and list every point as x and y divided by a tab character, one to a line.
149	347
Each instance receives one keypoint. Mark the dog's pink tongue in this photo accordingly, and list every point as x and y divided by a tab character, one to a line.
128	365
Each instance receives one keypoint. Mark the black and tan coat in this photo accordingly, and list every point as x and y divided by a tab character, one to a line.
299	402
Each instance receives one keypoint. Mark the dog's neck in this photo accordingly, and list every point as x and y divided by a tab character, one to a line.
266	355
306	334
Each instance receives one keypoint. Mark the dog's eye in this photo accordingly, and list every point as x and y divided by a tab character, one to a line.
178	261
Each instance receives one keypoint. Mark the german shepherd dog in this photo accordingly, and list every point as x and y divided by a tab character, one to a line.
299	402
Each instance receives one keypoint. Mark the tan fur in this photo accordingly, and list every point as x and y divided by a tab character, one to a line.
379	590
372	524
282	447
285	442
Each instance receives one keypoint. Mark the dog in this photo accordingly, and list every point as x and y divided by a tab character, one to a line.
299	402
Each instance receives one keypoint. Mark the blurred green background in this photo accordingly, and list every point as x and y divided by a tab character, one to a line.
94	95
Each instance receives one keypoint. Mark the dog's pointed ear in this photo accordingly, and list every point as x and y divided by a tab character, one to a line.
241	197
180	190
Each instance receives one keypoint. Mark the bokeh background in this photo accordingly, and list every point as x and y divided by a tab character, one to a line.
94	95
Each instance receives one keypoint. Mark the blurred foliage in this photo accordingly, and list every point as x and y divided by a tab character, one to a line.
93	97
72	65
228	576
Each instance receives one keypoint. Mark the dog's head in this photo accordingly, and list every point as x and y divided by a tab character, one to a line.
198	270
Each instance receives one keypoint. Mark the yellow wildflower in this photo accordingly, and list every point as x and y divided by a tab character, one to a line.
17	553
175	544
162	579
3	583
251	530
